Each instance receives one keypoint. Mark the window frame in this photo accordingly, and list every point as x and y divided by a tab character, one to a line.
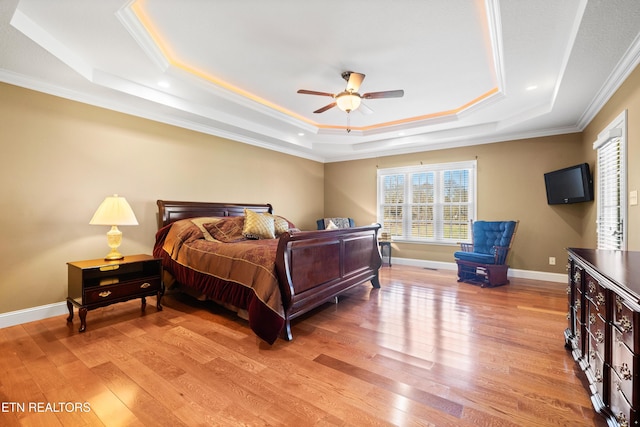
439	204
615	131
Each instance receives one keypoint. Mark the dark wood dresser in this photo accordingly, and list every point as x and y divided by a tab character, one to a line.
604	318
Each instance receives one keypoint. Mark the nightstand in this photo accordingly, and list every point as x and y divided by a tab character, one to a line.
385	244
98	283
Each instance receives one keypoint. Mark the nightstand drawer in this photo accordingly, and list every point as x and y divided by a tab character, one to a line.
121	290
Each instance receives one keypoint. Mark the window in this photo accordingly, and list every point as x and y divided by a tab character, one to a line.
611	185
428	203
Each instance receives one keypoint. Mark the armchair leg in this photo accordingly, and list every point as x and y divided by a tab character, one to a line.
496	275
485	275
466	272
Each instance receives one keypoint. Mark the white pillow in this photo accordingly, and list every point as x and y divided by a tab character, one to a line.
332	226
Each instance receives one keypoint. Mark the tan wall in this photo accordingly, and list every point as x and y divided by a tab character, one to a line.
61	158
510	186
627	97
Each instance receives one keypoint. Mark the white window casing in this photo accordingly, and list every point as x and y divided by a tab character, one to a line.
432	203
611	185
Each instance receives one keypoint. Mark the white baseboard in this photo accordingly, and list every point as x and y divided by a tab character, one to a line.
34	313
50	310
523	274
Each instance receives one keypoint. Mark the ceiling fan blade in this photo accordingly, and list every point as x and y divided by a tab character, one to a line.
325	108
354	82
384	94
313	92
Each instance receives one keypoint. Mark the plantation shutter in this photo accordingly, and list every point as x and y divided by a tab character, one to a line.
611	199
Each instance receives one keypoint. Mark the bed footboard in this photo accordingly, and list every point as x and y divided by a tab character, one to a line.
316	266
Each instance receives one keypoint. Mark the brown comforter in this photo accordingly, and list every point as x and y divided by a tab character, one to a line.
231	270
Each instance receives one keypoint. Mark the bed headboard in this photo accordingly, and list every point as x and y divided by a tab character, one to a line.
171	211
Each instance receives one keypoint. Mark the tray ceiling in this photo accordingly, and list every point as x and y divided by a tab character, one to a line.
472	72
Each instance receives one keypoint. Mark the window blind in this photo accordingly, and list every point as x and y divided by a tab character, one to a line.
610	221
428	203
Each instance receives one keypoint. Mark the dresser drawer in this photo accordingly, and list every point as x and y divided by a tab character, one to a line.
624	319
620	407
595	293
595	370
625	365
121	290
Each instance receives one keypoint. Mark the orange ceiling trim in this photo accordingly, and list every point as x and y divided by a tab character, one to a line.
418	118
147	23
138	9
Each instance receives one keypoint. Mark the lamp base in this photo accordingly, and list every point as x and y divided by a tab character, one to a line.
114	255
114	238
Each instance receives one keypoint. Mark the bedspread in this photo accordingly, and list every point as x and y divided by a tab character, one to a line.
239	273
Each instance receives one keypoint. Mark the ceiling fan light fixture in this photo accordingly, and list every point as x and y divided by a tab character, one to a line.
348	101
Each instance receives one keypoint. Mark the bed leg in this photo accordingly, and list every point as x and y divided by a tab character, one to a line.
287	330
375	282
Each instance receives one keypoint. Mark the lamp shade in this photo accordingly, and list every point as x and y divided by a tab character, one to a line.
114	210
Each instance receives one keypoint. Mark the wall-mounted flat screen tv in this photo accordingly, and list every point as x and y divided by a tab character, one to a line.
569	185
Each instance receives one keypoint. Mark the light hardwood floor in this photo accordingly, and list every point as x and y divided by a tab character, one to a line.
423	350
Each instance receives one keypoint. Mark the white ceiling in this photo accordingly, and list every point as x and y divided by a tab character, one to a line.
233	67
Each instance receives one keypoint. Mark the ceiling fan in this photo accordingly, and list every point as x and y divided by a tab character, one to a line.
349	99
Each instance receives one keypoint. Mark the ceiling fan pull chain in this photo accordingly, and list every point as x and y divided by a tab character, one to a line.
348	122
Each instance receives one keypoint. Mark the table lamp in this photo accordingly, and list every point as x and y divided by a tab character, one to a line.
114	211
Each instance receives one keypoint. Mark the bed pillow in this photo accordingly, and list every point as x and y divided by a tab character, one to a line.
227	229
332	226
281	224
201	221
258	226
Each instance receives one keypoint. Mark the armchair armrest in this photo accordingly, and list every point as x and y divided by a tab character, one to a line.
500	254
466	247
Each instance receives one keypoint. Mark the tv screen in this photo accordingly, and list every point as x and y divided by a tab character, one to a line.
569	185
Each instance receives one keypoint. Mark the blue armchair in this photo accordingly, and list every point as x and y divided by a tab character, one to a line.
484	262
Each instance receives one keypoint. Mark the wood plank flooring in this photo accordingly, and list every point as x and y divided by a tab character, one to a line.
423	350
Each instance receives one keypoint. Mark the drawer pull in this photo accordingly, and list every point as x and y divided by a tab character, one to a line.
577	304
592	287
145	285
568	315
104	294
598	376
625	372
618	303
618	386
599	336
109	267
600	299
568	290
592	319
626	324
622	420
576	276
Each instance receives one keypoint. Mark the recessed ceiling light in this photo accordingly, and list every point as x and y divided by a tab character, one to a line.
532	87
300	133
163	83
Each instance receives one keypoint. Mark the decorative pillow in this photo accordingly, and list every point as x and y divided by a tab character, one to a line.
281	225
200	222
339	222
331	226
227	229
258	225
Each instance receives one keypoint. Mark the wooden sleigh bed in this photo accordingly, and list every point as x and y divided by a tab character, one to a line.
311	267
